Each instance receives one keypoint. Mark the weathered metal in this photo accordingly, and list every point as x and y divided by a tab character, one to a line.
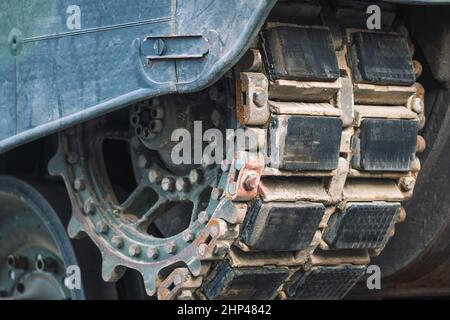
63	64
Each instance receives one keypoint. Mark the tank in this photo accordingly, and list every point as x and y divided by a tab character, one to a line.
252	150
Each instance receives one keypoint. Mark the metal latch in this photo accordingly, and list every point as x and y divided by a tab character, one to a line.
175	47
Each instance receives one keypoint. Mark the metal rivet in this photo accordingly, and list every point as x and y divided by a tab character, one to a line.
152	252
134	250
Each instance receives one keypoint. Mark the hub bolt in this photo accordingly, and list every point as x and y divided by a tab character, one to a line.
203	217
152	253
154	176
89	207
101	227
79	184
167	184
117	242
134	250
182	184
171	247
195	176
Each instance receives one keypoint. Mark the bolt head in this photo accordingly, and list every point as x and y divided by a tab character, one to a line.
188	236
117	242
203	217
195	176
171	247
152	252
216	193
89	207
167	184
201	250
101	227
134	250
182	184
79	184
154	176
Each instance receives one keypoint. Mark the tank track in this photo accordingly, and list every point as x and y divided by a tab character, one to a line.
337	141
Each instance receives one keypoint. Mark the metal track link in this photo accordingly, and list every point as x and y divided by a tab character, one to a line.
339	157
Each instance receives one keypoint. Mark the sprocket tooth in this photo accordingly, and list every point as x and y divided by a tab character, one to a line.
56	163
111	271
75	229
149	283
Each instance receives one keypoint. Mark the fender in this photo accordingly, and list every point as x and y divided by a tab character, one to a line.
61	63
